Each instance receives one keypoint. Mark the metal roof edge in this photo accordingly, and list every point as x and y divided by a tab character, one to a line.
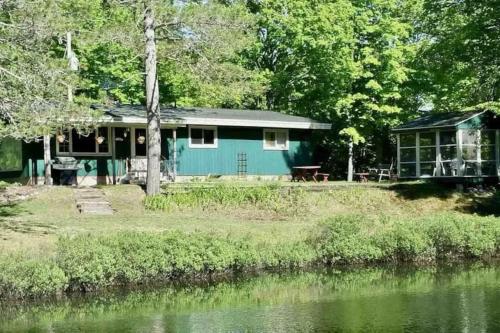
183	121
475	115
478	113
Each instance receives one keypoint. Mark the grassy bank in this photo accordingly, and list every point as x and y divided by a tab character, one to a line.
90	262
225	228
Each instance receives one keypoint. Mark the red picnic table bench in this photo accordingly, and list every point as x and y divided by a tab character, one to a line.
305	171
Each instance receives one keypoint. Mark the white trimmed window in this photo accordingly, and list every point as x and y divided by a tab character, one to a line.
276	139
76	144
202	137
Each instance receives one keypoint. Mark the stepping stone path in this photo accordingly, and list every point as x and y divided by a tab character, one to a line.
90	200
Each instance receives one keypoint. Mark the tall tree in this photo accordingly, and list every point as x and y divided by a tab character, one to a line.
345	62
459	64
197	35
152	103
34	89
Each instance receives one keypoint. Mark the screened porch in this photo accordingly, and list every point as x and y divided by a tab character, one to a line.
449	145
448	153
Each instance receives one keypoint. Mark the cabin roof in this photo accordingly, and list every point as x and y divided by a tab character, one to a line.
212	116
438	120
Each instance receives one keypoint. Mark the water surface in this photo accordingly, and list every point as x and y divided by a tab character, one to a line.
439	299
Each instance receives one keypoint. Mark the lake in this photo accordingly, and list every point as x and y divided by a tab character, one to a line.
451	298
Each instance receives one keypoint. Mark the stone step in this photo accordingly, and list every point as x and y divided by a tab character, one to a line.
92	201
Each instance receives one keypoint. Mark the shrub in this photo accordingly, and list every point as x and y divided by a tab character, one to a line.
221	196
21	277
343	240
350	239
405	241
86	261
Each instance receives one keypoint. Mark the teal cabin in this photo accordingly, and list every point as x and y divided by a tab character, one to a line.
196	142
450	146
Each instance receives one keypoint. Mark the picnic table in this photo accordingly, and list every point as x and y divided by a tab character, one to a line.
362	177
305	171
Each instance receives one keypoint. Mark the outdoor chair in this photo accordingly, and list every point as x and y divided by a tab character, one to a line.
385	170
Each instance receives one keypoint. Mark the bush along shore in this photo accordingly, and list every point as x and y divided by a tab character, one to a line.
88	263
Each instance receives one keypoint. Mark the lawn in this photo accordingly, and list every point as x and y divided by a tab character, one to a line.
33	226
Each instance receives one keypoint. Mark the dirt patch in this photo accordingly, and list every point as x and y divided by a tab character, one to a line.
15	194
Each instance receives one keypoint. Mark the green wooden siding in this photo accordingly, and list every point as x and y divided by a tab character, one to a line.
223	160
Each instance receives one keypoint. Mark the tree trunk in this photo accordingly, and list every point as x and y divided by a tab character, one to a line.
153	136
46	159
350	166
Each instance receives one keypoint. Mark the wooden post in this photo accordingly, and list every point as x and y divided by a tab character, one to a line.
152	105
46	159
350	166
438	155
460	166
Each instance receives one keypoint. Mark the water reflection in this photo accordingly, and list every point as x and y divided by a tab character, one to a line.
442	299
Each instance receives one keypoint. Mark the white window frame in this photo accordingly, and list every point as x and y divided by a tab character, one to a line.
276	131
458	151
491	145
95	153
415	146
204	145
419	150
133	143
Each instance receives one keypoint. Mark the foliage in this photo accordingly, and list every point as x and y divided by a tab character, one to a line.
459	64
343	62
22	277
35	79
224	196
90	262
95	262
351	239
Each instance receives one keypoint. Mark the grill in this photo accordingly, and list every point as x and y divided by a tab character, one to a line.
65	170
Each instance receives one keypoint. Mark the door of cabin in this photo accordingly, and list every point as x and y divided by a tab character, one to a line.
138	161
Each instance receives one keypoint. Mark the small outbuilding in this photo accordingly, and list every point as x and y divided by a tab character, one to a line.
449	146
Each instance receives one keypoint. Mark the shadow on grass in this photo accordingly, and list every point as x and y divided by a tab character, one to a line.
415	191
484	204
8	222
9	210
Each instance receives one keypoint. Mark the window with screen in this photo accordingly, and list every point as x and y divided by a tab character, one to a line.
408	154
448	150
79	143
488	153
202	137
140	142
427	146
276	139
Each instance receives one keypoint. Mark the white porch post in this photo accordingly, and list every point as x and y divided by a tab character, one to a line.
479	147
132	142
460	162
174	153
438	155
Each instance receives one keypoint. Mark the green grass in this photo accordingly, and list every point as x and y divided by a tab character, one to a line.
202	229
34	226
